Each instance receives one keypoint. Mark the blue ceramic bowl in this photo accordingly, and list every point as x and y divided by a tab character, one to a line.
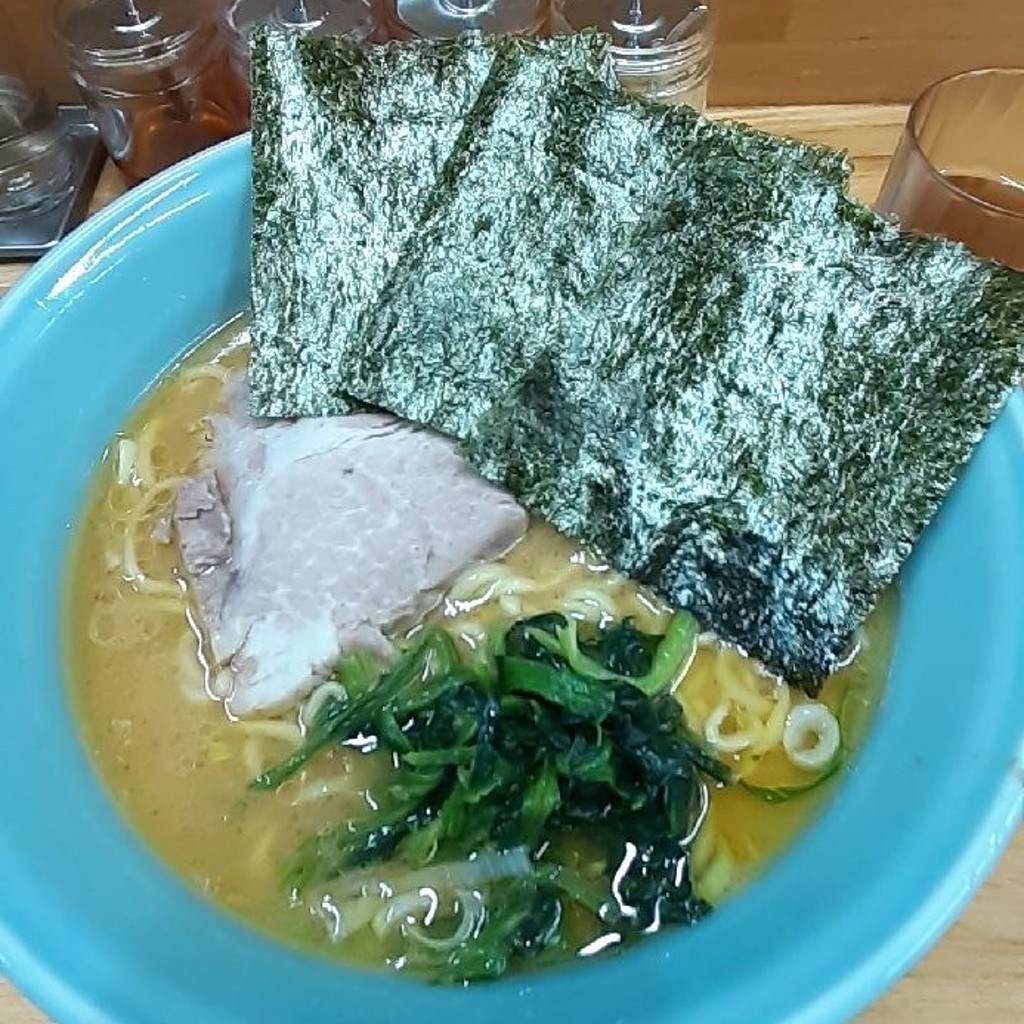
94	929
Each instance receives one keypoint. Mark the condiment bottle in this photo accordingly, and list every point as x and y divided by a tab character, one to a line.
661	49
157	77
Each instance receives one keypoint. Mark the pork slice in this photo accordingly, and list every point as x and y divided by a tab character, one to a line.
204	532
308	538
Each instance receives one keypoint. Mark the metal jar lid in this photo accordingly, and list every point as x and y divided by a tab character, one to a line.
446	19
116	32
350	19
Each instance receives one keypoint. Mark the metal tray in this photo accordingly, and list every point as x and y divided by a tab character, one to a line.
33	235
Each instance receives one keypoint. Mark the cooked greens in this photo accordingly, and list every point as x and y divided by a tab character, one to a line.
551	735
676	340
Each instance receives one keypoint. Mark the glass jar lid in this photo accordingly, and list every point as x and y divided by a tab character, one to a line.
112	31
447	19
350	19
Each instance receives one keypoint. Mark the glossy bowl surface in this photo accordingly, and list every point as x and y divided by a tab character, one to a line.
96	931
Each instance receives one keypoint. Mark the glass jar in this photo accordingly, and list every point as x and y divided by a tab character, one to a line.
35	159
157	77
660	49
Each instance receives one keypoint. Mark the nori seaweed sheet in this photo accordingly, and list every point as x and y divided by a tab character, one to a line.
677	340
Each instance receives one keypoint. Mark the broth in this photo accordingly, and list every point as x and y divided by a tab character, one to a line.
178	766
985	213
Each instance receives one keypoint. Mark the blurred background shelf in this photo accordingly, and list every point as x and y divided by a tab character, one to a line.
770	52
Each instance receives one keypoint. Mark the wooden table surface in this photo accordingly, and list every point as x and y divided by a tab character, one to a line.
976	972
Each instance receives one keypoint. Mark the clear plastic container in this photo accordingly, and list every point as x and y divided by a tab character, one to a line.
157	77
35	159
661	49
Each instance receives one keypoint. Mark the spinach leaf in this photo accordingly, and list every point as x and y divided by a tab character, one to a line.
540	744
406	685
559	685
523	920
622	652
622	649
357	672
526	638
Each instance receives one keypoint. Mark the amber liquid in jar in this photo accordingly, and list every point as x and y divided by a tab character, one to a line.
159	78
167	127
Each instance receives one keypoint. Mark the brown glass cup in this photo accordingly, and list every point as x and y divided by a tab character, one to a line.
959	168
